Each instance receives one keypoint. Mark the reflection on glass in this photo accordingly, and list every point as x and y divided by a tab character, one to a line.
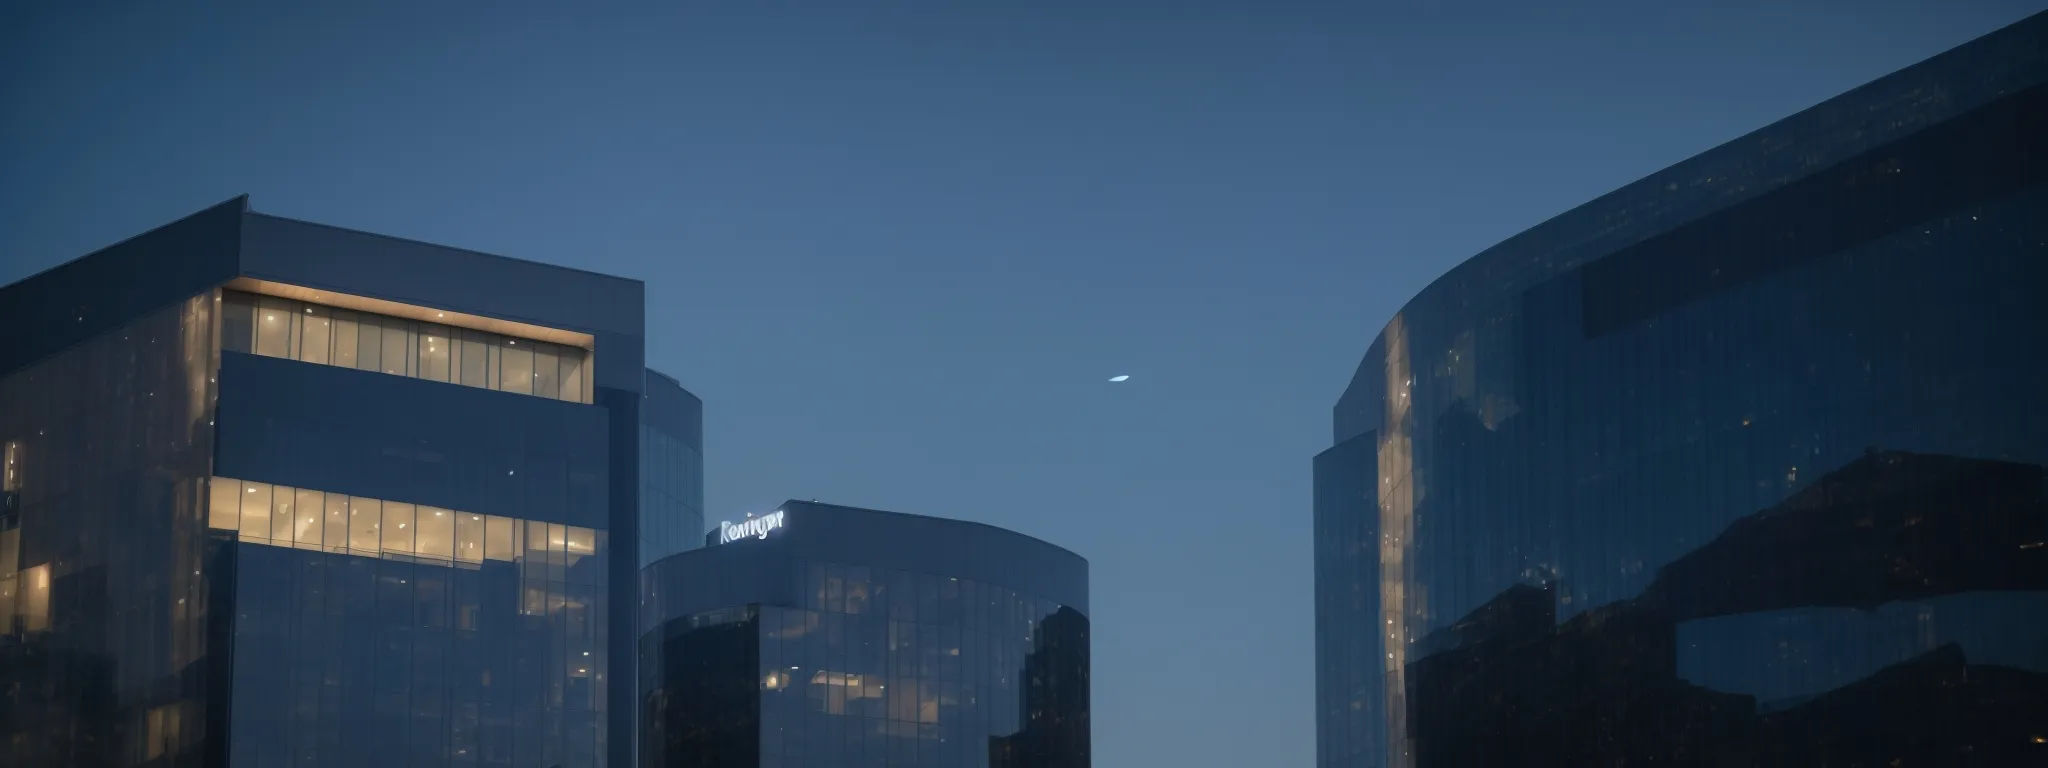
1004	687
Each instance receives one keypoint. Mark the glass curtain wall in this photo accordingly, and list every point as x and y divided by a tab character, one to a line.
671	495
895	668
374	632
1767	489
295	330
103	585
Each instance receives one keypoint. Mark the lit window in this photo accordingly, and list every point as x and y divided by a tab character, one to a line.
397	528
307	519
256	511
436	533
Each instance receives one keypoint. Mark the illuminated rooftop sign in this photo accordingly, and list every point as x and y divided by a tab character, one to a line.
753	527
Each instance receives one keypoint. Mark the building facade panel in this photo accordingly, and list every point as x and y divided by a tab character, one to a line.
1760	483
434	443
844	637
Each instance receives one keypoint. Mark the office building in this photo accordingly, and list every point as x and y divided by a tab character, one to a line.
1740	464
819	635
280	493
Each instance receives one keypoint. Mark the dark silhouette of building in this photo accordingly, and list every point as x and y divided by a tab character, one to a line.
819	635
1055	698
1738	465
281	493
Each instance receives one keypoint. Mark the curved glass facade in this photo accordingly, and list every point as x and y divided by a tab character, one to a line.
671	469
847	637
1742	464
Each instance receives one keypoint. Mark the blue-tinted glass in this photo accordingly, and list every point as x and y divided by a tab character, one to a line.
109	446
1746	464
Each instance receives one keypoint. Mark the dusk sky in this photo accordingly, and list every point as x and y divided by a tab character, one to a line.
899	248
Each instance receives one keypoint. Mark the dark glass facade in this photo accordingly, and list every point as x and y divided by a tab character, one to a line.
230	541
671	469
849	637
1742	464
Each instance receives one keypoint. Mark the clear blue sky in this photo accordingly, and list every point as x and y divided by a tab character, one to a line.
898	250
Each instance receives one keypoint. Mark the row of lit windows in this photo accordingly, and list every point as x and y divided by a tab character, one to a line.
332	522
295	330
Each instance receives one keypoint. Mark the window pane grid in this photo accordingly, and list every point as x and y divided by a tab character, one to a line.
284	516
295	330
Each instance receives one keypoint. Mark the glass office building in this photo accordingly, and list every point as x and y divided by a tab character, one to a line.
285	494
1741	464
817	635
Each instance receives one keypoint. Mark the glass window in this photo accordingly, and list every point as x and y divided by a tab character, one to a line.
238	312
309	506
369	343
224	508
572	375
336	539
476	360
437	533
314	332
363	517
856	590
398	527
256	511
516	367
281	518
273	326
469	537
500	536
536	555
580	544
547	379
398	354
434	354
558	552
344	339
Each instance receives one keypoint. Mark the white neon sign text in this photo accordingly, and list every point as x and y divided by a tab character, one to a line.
753	527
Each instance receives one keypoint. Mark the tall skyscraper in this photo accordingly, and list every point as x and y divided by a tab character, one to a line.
280	493
819	635
1741	464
